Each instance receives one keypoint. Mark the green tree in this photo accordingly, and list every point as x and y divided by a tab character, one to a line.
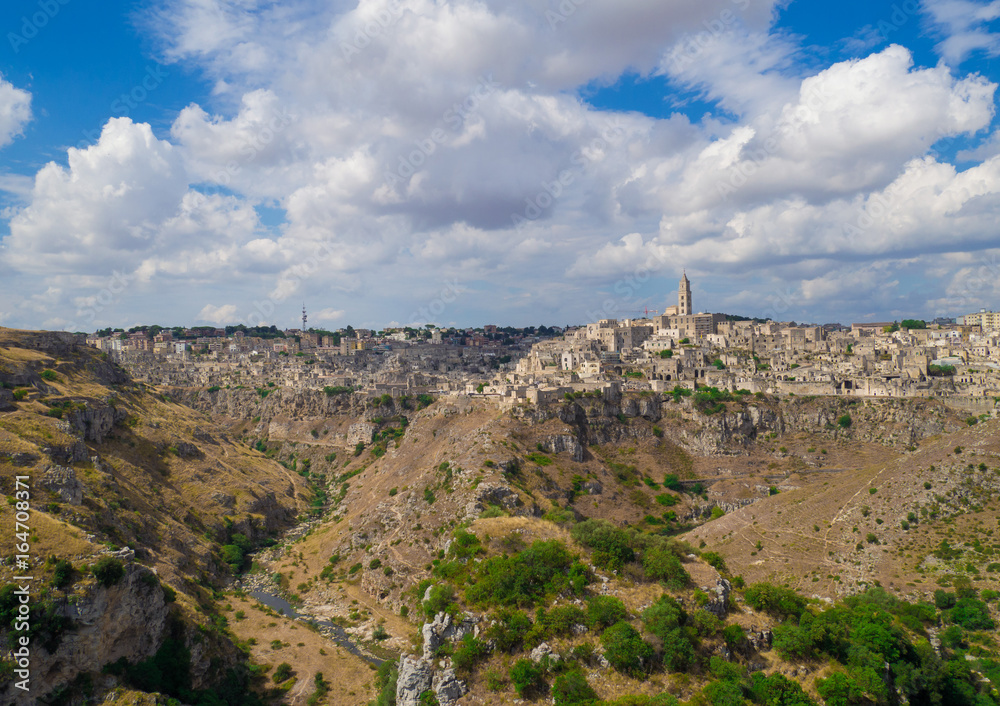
527	677
571	689
625	649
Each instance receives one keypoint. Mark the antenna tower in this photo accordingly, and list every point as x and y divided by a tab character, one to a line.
303	317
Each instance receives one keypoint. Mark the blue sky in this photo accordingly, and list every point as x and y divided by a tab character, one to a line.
386	161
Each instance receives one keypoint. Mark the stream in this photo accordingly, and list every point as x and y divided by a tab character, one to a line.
339	635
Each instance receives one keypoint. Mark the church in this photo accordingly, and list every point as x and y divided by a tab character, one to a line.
682	319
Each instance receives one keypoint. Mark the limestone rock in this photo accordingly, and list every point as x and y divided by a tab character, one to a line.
415	677
62	480
447	688
718	603
445	629
127	619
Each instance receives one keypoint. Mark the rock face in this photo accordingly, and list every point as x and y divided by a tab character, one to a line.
718	603
62	480
95	421
360	433
444	629
415	677
564	442
124	620
447	688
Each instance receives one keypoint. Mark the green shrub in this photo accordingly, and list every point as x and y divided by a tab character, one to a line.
465	545
716	561
441	600
50	375
63	574
509	629
469	652
282	672
971	614
108	571
625	649
667	500
844	421
543	569
571	689
612	546
605	611
661	564
527	677
775	600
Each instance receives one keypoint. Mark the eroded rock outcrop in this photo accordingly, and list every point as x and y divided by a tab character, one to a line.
127	620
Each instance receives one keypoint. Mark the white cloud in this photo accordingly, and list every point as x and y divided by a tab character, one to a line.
402	140
329	315
218	315
15	111
964	25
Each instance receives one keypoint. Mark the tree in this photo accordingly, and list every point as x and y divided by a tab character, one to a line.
527	677
108	571
571	688
625	649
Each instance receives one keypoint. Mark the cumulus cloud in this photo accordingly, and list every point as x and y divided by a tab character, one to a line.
218	315
15	111
329	314
409	144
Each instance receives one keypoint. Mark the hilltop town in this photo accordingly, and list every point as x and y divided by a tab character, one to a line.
959	360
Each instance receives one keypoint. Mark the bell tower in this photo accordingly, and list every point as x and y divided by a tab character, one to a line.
684	297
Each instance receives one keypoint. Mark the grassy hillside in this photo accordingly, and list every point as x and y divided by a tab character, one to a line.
107	464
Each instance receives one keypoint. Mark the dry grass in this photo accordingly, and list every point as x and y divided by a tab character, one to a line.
351	677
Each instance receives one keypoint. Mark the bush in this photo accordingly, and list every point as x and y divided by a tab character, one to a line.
625	649
667	500
50	375
571	688
612	546
441	600
108	571
282	672
63	574
527	677
778	601
716	561
972	614
844	421
509	629
543	569
605	611
661	564
469	652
